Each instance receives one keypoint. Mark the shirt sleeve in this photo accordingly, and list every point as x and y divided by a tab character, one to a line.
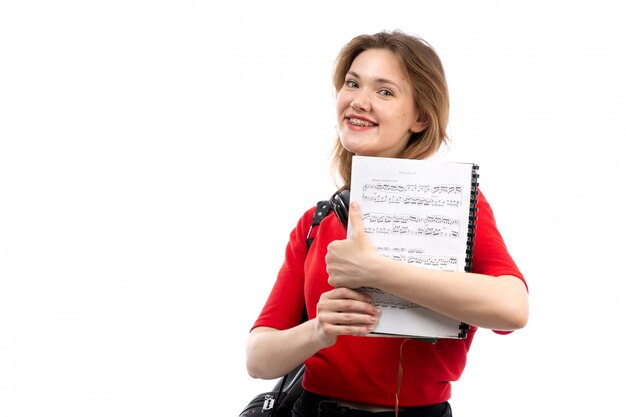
491	256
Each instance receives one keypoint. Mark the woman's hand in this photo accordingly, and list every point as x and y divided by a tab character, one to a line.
343	311
351	262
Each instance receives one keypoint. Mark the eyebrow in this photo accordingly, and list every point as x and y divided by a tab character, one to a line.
378	80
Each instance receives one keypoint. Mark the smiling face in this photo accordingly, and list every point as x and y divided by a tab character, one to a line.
376	112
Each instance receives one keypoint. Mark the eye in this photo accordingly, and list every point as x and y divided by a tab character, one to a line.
386	93
351	84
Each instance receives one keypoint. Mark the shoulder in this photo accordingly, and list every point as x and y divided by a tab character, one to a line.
482	203
485	218
303	227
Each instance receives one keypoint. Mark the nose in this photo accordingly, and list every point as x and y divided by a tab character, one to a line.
361	101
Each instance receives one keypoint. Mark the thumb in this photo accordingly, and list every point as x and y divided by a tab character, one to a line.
356	223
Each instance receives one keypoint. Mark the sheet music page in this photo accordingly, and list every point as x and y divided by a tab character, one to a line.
415	212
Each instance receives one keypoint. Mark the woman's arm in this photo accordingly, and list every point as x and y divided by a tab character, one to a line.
499	303
272	353
266	345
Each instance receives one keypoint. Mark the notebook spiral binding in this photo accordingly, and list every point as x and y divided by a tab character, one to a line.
471	234
471	230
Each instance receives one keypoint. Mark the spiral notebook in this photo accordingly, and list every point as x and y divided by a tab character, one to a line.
422	213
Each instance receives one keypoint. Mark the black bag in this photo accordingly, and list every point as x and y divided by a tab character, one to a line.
280	401
277	403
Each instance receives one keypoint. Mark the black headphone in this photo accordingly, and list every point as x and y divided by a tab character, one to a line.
340	203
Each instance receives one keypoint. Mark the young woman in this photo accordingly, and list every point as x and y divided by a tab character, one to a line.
392	101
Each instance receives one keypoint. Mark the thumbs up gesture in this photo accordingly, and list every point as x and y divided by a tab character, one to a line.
352	262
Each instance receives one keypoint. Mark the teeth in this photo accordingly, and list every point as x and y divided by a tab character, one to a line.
359	122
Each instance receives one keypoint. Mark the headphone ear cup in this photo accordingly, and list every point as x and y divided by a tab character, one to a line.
341	204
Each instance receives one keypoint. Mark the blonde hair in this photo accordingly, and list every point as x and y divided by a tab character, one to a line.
425	72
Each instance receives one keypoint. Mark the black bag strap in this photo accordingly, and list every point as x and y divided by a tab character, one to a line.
321	211
338	203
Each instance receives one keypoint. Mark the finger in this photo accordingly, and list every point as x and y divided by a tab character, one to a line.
337	324
343	293
350	319
345	306
347	330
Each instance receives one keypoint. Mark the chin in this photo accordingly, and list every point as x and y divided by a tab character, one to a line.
354	148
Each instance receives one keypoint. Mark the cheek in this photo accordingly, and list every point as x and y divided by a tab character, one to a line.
342	102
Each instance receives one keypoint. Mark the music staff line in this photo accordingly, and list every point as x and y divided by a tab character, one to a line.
408	224
414	194
412	256
385	300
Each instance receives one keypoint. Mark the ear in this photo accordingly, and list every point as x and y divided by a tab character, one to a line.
419	125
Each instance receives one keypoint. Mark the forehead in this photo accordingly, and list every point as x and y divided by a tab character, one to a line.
378	63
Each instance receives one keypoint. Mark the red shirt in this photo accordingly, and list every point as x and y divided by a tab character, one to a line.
365	369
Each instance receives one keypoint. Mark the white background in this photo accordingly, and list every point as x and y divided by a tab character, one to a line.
155	155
